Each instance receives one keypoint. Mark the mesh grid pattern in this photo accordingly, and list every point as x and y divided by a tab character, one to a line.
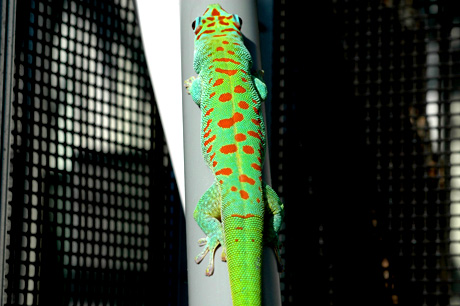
372	144
92	184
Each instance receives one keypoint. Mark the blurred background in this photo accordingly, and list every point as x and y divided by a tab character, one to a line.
364	141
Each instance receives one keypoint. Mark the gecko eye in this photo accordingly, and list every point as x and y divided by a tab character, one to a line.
238	18
196	23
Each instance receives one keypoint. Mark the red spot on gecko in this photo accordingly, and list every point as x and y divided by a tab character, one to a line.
234	188
211	24
244	195
225	42
238	228
258	200
243	105
227	149
218	82
207	125
243	217
209	111
205	32
215	12
231	52
224	171
246	179
229	29
226	60
210	140
253	134
212	95
227	123
225	97
209	149
256	110
248	149
240	137
214	163
220	49
239	89
256	166
228	72
244	80
207	133
256	121
210	18
213	155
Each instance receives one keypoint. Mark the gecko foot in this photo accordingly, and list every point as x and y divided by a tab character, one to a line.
210	244
188	84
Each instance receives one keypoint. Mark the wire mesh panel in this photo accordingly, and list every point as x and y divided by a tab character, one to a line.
372	143
95	217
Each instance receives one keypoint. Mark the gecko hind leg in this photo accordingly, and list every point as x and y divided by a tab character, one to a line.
207	214
274	218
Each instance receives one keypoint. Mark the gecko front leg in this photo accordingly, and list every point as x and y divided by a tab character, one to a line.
193	87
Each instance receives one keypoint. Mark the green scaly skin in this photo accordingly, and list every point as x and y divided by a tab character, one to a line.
239	211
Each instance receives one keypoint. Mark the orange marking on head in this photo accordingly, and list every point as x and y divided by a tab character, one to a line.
205	32
231	52
243	71
244	80
215	12
213	155
229	72
209	111
209	149
244	195
253	134
243	105
236	44
211	24
239	89
220	49
225	97
238	228
229	29
197	30
227	149
236	240
258	200
224	171
218	82
210	80
219	35
256	166
221	182
246	179
210	140
223	23
225	42
248	149
227	123
226	60
212	95
255	121
256	110
210	18
240	137
234	188
214	163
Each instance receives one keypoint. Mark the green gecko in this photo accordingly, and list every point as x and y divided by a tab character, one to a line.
239	211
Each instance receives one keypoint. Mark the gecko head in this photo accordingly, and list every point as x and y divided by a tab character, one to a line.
216	23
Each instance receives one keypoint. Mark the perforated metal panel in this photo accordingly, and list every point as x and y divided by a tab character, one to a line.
95	217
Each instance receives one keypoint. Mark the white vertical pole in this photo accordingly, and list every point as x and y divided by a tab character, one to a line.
214	290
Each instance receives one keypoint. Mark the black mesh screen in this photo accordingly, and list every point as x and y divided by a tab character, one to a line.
367	152
95	217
